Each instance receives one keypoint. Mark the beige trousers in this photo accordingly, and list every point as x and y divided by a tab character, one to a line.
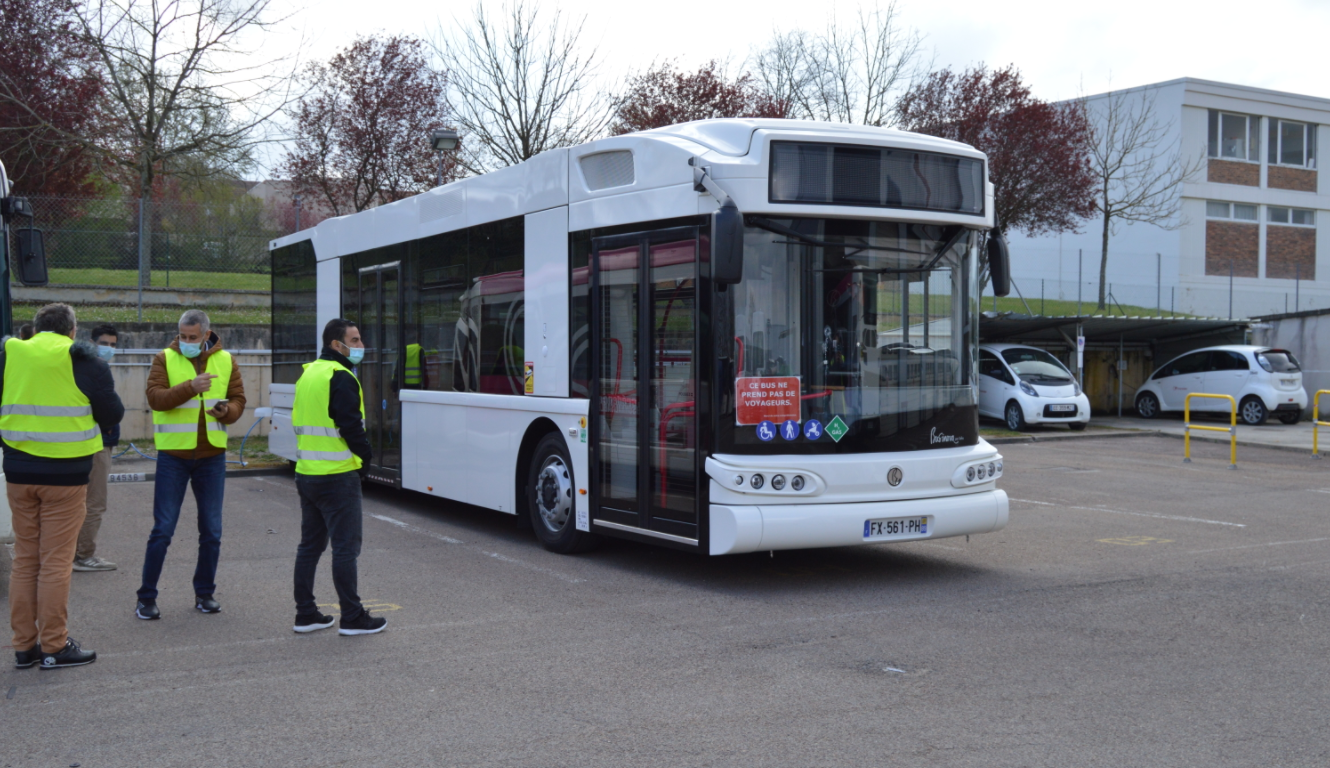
101	468
47	519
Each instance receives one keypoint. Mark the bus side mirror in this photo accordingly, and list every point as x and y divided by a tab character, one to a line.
31	256
727	245
999	265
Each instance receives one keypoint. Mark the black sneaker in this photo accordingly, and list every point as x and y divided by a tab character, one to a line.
147	610
69	656
364	624
313	623
25	659
206	604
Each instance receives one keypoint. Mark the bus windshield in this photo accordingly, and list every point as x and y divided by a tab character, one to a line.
852	336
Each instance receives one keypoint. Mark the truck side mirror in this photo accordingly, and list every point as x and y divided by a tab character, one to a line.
727	245
999	264
31	256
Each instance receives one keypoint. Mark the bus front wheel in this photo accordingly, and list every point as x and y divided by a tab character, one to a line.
552	501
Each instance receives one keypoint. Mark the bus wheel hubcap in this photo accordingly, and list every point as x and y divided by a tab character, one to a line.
554	493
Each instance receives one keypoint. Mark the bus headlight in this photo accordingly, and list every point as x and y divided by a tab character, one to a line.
969	474
797	483
778	482
756	482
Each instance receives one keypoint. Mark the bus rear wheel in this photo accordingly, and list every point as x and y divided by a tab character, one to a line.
550	496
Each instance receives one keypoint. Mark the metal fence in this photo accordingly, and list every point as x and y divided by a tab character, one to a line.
107	241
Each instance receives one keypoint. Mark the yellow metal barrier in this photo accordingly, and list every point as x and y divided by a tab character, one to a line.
1232	430
1317	423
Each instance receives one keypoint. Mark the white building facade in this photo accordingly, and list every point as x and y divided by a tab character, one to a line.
1253	236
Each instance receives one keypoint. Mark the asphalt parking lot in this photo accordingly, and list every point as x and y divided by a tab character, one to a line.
1137	611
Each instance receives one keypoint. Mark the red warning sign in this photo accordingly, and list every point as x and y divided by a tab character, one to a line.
766	398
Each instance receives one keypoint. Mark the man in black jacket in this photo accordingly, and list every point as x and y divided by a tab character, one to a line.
330	463
57	397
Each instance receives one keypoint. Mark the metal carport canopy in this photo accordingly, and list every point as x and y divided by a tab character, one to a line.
1131	330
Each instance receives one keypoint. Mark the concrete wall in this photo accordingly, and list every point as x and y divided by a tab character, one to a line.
1306	335
160	335
154	297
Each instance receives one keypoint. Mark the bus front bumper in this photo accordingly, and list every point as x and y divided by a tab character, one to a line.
736	529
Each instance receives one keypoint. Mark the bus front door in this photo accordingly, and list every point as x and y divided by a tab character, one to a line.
645	462
381	370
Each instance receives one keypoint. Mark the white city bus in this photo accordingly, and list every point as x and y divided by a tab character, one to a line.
724	336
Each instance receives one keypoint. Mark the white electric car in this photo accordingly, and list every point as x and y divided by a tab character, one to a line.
1262	381
1026	385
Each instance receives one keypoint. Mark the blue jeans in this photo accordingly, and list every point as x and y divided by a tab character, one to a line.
207	477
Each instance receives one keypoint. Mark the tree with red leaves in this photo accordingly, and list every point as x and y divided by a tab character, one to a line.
666	96
362	132
1038	153
49	84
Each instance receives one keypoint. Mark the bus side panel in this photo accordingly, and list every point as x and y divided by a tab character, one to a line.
330	296
546	301
281	438
463	446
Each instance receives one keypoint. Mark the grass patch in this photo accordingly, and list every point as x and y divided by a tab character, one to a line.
1058	308
236	281
91	314
256	451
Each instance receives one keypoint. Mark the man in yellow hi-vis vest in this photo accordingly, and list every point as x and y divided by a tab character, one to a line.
332	451
194	390
56	397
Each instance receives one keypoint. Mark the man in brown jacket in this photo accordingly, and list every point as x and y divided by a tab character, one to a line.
194	391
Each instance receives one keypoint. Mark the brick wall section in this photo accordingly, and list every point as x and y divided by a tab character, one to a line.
1230	172
1297	179
1290	252
1227	241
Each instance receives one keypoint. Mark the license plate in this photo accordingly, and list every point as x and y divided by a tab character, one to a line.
1289	382
895	527
1062	408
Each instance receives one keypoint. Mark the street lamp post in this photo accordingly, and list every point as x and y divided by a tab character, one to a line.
443	140
296	203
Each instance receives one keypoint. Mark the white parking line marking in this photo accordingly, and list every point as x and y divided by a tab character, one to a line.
1266	544
1134	514
495	555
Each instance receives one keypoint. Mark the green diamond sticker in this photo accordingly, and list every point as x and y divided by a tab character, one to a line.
836	429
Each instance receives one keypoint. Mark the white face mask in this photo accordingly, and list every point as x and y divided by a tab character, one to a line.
105	352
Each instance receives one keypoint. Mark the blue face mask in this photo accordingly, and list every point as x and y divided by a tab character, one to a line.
356	354
190	350
105	352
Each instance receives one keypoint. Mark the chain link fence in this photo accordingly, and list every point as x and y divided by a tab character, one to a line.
107	241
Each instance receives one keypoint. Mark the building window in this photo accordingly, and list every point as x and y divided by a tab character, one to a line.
1298	217
1234	211
1234	137
1292	143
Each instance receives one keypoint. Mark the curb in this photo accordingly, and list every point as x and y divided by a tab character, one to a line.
144	477
1224	441
1087	435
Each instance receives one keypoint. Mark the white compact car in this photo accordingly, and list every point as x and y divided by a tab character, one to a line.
1262	381
1026	385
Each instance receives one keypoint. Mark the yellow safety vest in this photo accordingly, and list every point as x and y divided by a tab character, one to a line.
43	411
320	448
412	376
178	428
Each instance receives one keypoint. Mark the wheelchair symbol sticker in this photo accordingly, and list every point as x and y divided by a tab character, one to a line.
766	431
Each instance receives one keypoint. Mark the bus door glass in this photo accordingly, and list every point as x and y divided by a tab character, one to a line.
380	371
644	417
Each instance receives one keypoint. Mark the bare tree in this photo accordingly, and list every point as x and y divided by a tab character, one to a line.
521	85
850	73
1139	169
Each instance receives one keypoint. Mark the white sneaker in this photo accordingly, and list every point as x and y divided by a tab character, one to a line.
94	564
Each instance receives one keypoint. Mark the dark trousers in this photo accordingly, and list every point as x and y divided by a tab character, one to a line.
208	479
329	508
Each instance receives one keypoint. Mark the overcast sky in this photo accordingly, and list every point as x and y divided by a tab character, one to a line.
1062	48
